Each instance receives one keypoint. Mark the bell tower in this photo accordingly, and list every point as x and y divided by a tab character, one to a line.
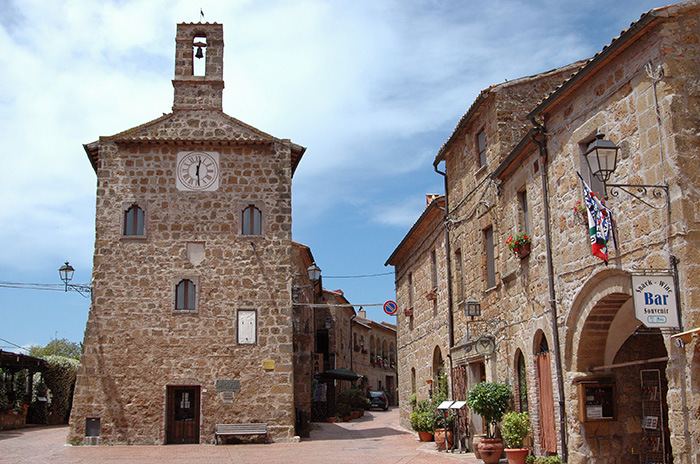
199	66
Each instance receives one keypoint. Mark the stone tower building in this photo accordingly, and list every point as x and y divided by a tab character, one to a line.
190	322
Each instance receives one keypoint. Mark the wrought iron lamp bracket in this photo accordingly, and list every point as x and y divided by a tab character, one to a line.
84	290
644	193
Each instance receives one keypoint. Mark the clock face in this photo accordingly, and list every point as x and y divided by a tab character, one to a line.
197	170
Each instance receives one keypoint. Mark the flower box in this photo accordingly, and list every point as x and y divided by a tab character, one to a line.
408	312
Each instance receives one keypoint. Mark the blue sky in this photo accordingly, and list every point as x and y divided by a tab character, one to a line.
371	88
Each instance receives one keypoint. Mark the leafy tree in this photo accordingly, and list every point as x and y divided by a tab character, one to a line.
60	377
57	347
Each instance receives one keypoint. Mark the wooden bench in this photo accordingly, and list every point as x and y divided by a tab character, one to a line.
240	429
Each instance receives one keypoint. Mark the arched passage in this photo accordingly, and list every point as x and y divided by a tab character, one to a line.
611	360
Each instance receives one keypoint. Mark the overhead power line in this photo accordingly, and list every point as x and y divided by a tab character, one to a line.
31	286
358	276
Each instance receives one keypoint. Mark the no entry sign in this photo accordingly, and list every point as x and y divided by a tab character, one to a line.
390	307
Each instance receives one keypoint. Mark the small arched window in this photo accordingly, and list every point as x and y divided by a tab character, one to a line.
185	295
252	221
522	383
134	219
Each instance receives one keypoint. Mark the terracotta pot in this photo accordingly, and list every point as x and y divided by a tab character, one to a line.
425	436
440	438
517	455
346	418
355	415
475	444
330	420
490	450
523	250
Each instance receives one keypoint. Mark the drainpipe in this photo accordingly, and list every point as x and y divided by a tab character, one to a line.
552	297
450	317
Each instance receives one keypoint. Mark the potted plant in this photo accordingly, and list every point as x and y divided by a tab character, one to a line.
445	419
581	213
345	411
520	244
423	420
490	400
515	427
431	295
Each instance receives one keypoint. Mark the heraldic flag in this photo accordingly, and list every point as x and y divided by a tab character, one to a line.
600	223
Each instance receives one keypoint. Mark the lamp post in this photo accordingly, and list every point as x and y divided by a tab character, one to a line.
601	157
66	273
314	272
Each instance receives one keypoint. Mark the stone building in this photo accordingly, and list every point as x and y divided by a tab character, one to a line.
191	317
557	323
374	354
422	337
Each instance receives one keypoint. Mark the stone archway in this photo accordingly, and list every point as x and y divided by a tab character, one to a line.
602	346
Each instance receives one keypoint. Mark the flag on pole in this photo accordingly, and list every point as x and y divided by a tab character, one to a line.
600	223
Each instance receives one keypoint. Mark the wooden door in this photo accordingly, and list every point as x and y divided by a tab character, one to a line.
182	422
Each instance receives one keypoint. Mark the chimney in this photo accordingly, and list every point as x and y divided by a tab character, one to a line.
430	197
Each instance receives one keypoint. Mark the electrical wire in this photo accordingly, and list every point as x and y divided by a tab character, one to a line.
358	276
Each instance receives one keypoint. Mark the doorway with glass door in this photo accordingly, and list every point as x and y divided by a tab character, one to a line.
182	420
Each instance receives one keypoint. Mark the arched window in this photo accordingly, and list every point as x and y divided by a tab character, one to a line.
185	295
134	218
252	221
522	382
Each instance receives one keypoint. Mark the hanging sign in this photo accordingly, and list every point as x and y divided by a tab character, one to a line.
655	301
317	363
390	307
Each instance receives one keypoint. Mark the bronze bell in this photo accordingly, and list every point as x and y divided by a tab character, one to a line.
199	53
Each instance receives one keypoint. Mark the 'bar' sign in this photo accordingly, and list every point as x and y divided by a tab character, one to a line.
655	302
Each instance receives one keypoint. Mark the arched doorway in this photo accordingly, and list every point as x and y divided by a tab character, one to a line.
622	388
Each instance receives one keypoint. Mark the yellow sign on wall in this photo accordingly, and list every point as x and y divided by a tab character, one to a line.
269	364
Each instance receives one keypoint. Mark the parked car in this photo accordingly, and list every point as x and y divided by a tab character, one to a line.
378	400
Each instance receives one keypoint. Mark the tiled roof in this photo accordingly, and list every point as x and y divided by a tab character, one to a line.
172	128
484	95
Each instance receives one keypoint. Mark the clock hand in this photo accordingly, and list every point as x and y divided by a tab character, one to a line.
196	172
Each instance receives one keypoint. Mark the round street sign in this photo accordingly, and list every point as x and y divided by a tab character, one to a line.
390	307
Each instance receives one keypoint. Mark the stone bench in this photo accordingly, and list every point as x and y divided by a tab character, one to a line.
240	429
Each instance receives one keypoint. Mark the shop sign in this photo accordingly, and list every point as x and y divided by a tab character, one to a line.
655	301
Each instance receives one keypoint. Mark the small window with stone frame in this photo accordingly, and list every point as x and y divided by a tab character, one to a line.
481	148
134	221
186	295
490	255
251	223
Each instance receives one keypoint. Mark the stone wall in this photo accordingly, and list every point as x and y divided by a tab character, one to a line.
422	330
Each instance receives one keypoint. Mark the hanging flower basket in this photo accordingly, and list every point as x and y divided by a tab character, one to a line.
581	214
431	295
520	244
523	250
408	312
